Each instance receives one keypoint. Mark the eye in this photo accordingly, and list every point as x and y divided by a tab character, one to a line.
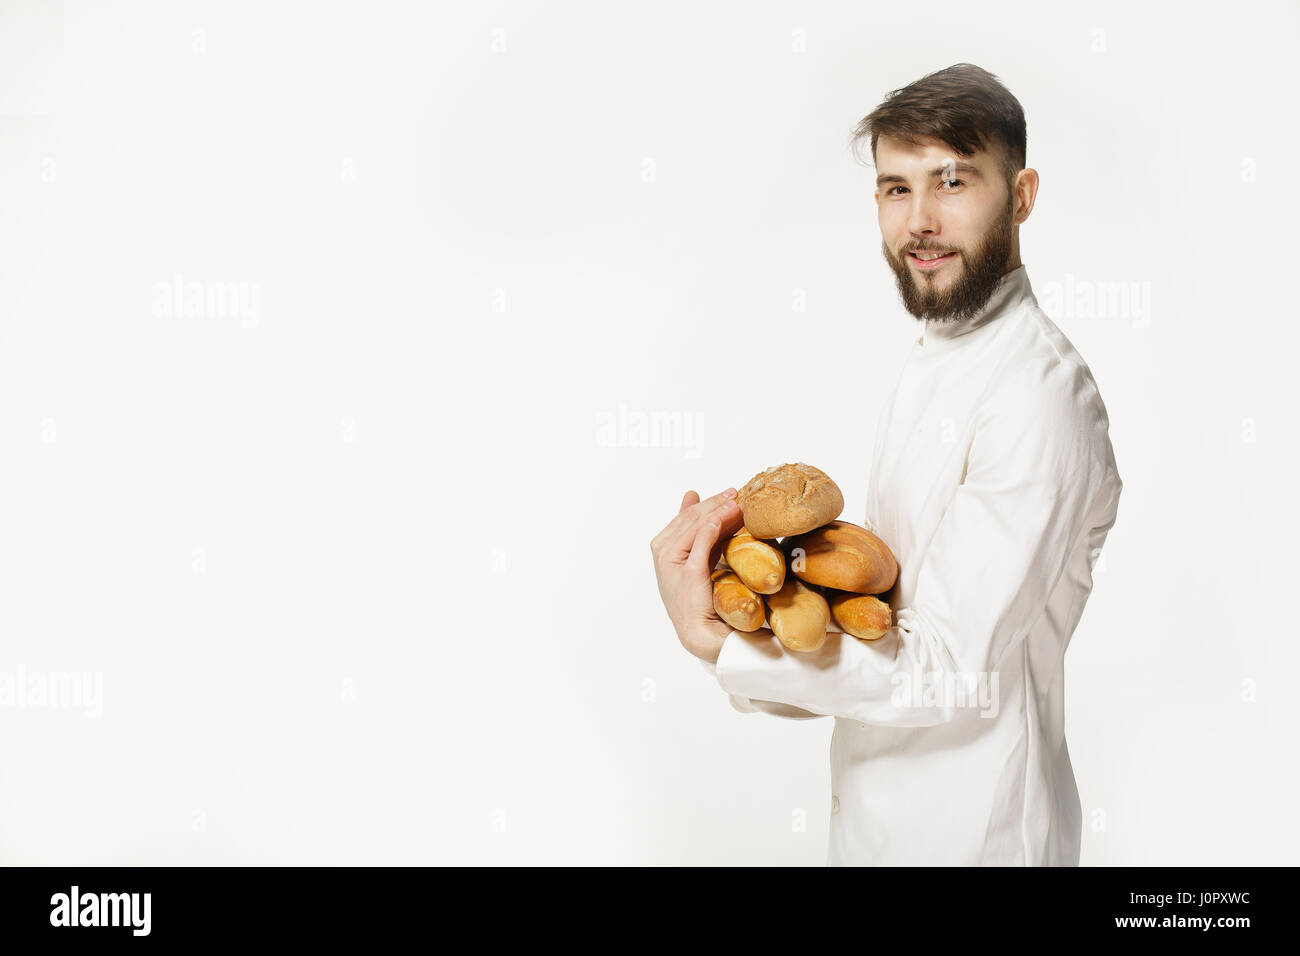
955	182
890	192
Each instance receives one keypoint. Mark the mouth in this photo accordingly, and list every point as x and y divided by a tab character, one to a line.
931	260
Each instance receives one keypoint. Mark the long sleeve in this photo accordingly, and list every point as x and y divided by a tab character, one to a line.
1036	458
747	706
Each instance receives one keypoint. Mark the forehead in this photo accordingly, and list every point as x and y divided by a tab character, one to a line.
896	156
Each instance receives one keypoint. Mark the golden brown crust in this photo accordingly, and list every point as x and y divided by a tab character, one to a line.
789	499
843	556
865	617
759	564
736	604
799	616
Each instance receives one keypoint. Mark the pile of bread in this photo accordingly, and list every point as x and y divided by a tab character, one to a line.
796	567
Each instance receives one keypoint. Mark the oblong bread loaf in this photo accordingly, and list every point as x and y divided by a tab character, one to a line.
789	499
759	564
799	616
736	604
865	617
843	556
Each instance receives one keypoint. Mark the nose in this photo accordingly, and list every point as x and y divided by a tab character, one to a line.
922	217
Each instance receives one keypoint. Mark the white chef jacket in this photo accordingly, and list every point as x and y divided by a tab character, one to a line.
994	483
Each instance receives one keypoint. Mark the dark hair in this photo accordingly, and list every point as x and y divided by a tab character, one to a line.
964	106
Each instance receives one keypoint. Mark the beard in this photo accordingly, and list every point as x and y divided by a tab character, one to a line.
981	269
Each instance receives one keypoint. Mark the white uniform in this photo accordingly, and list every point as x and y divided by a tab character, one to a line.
994	483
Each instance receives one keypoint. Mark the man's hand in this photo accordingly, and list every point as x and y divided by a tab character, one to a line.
685	554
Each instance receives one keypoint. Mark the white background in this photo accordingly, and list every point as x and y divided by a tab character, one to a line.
361	576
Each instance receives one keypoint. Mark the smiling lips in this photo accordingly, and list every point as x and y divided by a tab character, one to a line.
930	260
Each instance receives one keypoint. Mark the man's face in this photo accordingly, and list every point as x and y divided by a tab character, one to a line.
931	200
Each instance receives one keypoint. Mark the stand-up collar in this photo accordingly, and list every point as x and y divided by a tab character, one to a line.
1010	291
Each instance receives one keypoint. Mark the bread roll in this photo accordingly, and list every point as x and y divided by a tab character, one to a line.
759	564
843	556
789	499
799	616
736	604
865	617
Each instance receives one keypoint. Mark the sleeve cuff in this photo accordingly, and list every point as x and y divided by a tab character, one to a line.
744	704
746	654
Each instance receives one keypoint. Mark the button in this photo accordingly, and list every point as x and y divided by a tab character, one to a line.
835	804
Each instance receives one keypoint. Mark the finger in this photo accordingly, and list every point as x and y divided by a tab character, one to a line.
679	532
690	499
705	538
732	521
680	546
729	520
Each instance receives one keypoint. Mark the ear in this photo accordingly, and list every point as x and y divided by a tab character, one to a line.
1026	190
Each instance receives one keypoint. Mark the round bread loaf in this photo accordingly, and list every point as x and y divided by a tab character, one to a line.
865	617
789	499
843	556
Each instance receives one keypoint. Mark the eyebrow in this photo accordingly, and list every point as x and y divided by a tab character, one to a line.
968	168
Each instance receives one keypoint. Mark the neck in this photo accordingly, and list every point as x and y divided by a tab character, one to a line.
1006	295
